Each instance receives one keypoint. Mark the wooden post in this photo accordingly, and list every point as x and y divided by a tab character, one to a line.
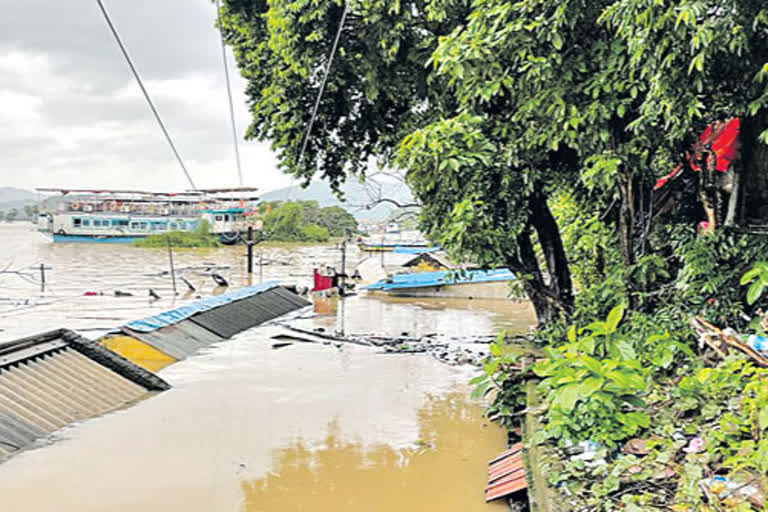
170	258
249	243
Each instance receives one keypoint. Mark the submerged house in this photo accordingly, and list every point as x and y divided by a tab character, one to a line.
161	340
58	378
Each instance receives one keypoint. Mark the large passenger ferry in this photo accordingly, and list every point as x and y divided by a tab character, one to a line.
122	216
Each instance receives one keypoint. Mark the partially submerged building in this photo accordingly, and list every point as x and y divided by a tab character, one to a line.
160	340
58	378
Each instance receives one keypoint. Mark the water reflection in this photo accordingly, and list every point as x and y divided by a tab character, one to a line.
443	471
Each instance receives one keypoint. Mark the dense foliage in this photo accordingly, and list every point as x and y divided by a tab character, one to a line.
304	221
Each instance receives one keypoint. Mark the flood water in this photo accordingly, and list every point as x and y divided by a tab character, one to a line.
246	427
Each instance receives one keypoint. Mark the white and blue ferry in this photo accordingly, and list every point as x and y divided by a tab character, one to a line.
123	216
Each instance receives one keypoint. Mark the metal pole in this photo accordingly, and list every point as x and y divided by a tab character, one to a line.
250	249
170	258
261	267
343	263
42	278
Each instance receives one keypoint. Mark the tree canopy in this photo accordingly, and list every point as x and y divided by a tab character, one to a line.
498	110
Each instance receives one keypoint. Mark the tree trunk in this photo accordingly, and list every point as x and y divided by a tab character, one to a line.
626	231
554	297
560	284
533	282
754	157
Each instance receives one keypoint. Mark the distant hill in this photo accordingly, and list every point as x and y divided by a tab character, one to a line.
10	194
356	197
11	198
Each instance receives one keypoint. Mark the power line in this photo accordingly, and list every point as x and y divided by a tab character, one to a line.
289	190
229	95
322	84
144	91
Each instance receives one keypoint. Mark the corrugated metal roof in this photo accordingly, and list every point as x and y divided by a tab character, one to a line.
177	315
437	258
439	278
214	324
54	379
178	341
245	314
506	474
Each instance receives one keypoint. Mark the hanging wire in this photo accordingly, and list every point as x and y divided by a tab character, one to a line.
229	95
322	84
144	91
289	190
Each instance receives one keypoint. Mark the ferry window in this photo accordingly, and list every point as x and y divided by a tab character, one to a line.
219	217
143	225
173	225
76	222
134	225
96	223
86	222
226	218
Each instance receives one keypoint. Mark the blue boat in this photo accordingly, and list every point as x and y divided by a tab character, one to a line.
468	284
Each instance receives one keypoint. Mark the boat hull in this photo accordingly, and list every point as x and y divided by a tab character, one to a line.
496	290
95	239
408	249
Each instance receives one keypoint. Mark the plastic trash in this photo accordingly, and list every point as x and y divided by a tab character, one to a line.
696	445
758	343
584	450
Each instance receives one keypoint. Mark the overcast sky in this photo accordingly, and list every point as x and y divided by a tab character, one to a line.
71	114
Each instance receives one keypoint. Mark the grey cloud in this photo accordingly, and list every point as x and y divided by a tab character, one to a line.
82	86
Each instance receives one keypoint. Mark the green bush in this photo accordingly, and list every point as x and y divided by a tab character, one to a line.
200	237
314	233
594	384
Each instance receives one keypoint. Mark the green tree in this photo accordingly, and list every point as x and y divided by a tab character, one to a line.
336	220
380	90
2	216
31	211
493	106
286	222
11	215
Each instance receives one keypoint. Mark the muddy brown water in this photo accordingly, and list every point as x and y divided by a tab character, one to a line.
246	427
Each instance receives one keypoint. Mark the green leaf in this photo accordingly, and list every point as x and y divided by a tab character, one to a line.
590	385
614	317
625	349
749	276
754	292
592	364
558	42
567	396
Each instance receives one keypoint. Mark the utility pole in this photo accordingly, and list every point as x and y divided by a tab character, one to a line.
43	268
170	258
249	243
